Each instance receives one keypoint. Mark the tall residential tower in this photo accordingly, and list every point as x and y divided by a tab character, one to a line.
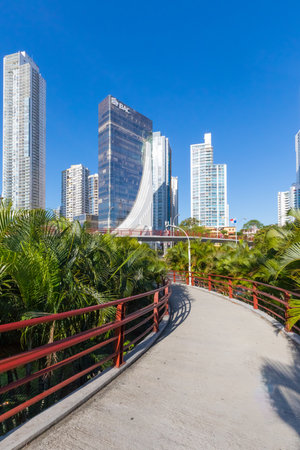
297	150
93	194
283	206
75	191
208	186
24	132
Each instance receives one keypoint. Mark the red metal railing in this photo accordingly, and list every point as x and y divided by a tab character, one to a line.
17	370
270	299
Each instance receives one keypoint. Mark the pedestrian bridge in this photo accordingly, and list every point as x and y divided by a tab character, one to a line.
220	376
145	235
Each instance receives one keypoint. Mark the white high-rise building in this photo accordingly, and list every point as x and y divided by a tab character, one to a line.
75	191
208	186
174	200
24	132
93	194
161	180
283	207
297	149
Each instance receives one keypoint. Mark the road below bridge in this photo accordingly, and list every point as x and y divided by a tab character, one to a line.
220	377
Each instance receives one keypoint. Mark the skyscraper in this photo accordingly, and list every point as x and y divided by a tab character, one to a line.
287	200
24	132
297	149
283	206
208	186
93	194
174	200
124	166
161	175
75	191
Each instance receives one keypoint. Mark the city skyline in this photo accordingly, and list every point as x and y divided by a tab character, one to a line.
238	90
286	199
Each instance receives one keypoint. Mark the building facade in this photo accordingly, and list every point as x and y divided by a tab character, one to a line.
24	132
283	206
174	200
89	220
93	194
161	176
287	200
297	150
124	136
208	186
75	191
295	196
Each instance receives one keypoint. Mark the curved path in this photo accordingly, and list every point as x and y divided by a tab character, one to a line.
220	377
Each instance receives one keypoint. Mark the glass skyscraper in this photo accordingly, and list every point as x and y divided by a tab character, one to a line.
161	176
208	186
122	137
174	200
287	200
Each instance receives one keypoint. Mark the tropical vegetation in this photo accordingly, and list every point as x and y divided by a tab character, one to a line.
50	265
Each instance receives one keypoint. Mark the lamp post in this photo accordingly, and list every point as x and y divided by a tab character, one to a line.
189	248
173	222
177	215
145	229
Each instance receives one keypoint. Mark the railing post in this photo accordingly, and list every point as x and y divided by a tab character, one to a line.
187	278
230	288
287	299
120	315
193	281
167	304
255	301
209	282
174	276
156	322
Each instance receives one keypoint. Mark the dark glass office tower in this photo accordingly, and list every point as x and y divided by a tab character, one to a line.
122	133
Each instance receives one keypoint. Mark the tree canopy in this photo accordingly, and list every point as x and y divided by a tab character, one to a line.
253	223
193	225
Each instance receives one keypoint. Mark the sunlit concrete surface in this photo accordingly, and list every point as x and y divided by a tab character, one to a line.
220	377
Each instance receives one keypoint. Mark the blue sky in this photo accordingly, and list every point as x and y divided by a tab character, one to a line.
230	68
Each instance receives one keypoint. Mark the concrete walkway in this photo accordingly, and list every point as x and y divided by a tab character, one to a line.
220	377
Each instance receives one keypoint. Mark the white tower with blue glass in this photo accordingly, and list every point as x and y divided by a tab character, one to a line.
208	186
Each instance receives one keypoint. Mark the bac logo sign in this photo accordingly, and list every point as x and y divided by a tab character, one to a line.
120	105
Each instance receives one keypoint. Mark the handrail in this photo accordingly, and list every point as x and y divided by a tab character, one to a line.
295	294
72	349
72	313
267	301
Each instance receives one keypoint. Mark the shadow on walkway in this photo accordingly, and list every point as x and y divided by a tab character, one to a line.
283	387
180	308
